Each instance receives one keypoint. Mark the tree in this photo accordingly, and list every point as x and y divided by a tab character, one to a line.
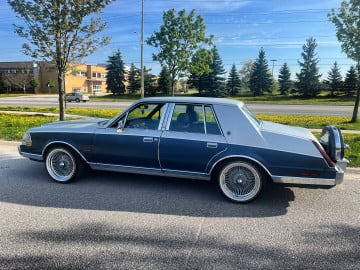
308	84
245	73
233	83
350	82
133	79
56	32
115	74
179	38
347	22
164	81
334	79
284	79
149	82
34	83
215	80
260	78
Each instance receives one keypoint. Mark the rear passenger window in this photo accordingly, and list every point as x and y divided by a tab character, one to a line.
187	118
212	126
190	118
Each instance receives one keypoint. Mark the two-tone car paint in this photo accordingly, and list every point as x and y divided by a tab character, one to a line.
287	154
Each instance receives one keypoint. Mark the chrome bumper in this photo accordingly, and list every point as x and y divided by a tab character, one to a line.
31	156
339	178
340	168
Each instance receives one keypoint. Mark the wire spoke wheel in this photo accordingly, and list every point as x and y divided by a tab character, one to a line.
240	181
61	165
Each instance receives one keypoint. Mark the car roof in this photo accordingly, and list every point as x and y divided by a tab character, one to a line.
207	100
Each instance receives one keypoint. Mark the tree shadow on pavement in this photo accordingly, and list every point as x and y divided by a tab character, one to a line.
26	182
123	247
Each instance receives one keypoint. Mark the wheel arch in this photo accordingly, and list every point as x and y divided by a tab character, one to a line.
219	163
52	145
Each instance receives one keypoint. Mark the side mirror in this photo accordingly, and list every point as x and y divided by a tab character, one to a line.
121	125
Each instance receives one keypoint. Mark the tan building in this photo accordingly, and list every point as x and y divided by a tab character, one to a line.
90	79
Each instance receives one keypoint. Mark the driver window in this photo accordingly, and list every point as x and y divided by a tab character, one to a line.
145	116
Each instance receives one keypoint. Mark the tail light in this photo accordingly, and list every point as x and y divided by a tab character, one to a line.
324	154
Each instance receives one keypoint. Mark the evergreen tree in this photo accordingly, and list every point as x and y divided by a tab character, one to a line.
334	79
149	82
351	82
199	82
233	83
284	79
134	79
164	81
308	84
115	74
260	79
215	81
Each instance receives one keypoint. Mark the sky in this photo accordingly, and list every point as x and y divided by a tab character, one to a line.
240	29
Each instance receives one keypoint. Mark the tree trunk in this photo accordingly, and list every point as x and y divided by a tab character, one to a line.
356	106
61	96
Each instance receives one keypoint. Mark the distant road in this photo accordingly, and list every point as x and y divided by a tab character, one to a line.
51	101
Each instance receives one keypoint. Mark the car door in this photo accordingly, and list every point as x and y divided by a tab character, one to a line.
191	139
136	145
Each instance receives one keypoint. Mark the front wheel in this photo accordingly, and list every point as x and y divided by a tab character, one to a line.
240	181
62	165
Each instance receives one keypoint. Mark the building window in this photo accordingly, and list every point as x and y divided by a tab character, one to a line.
96	88
81	74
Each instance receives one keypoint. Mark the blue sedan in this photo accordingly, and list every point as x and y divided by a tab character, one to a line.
197	138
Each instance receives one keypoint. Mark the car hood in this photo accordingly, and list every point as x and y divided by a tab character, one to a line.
88	124
281	129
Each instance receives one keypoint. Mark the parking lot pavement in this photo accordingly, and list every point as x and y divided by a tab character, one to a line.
120	221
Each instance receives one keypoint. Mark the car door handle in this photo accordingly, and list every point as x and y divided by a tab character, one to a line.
148	139
211	145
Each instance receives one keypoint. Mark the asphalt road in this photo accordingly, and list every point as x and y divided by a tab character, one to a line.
120	221
51	101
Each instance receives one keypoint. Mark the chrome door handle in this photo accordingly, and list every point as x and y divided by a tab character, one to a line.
148	139
211	145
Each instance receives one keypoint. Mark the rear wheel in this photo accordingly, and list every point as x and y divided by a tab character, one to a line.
240	181
77	100
62	164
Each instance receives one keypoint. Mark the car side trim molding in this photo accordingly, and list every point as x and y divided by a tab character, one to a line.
149	171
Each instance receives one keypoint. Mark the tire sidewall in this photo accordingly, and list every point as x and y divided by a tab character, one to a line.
73	158
255	170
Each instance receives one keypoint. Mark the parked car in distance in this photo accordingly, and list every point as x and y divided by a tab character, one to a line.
197	138
77	97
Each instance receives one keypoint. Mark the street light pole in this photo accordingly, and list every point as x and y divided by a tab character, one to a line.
142	49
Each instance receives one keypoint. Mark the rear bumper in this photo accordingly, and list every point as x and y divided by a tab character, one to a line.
338	179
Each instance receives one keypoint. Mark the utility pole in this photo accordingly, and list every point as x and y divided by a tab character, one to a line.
273	64
142	50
